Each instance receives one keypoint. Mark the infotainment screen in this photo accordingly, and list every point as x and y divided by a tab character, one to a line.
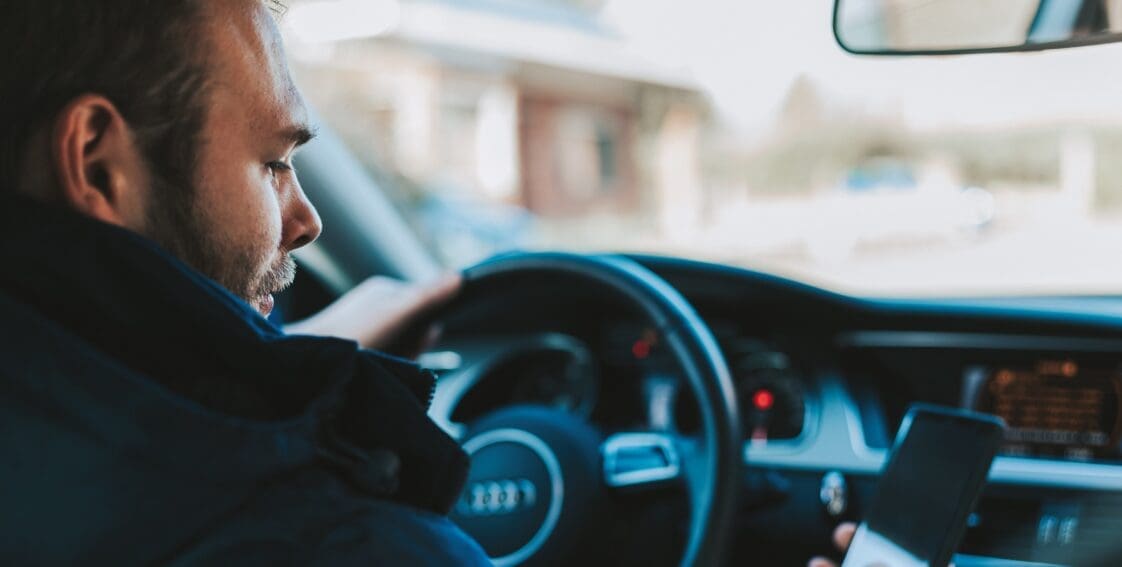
1053	408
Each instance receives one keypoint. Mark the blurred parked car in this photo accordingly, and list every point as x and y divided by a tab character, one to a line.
885	202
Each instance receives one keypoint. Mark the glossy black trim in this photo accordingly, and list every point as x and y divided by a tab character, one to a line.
976	341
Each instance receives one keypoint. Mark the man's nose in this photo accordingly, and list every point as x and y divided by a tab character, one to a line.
302	224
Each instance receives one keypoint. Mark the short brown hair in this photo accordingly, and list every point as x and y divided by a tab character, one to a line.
140	54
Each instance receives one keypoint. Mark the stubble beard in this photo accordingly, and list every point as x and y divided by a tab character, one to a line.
180	226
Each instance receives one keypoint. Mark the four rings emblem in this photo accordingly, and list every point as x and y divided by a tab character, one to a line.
497	497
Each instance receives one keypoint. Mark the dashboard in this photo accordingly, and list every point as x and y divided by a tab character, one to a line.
823	381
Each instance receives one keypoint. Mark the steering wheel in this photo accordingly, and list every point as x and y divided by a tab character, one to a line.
539	476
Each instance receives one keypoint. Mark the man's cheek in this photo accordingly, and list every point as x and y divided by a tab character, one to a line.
269	211
256	213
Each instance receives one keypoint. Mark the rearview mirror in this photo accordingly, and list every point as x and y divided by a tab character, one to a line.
949	27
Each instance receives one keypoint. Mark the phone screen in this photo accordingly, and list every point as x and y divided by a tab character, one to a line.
928	488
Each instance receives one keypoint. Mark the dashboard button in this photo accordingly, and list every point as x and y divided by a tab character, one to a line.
1068	527
834	494
1046	529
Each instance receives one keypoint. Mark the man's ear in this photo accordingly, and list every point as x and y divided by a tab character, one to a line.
99	168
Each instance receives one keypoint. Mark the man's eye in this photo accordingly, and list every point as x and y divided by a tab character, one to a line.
279	166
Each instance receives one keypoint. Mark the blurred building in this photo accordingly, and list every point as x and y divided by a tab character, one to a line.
528	102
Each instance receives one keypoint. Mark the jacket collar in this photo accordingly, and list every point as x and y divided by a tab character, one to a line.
192	375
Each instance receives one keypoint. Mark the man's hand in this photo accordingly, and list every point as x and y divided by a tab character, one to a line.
843	535
378	310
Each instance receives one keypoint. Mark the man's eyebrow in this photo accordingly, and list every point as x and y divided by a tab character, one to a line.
299	135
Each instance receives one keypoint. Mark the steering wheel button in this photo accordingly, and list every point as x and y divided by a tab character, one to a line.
640	458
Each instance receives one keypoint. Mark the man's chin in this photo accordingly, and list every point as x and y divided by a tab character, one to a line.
277	279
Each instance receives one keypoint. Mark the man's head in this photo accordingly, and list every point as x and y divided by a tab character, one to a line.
176	119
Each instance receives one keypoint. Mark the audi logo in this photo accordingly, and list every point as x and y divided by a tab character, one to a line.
497	497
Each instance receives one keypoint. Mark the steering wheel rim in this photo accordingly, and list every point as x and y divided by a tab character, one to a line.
689	340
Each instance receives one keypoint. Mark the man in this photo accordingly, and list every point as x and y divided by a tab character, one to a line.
150	414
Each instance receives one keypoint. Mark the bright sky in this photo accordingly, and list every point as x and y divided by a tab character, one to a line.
747	53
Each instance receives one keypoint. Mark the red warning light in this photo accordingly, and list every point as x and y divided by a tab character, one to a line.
641	349
763	399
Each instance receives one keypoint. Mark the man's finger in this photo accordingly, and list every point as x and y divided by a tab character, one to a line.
408	332
444	289
843	535
415	301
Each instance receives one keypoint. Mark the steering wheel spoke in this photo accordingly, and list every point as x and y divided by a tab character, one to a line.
641	459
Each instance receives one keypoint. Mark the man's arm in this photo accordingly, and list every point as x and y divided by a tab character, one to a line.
378	310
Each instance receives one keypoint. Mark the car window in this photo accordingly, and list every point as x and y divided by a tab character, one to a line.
730	131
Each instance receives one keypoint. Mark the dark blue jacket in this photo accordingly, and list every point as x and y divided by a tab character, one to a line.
149	417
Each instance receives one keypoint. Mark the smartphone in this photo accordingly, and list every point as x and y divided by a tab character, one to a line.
928	489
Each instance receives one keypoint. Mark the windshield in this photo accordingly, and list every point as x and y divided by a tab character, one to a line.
724	130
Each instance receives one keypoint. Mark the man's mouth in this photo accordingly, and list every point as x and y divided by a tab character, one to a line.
276	280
